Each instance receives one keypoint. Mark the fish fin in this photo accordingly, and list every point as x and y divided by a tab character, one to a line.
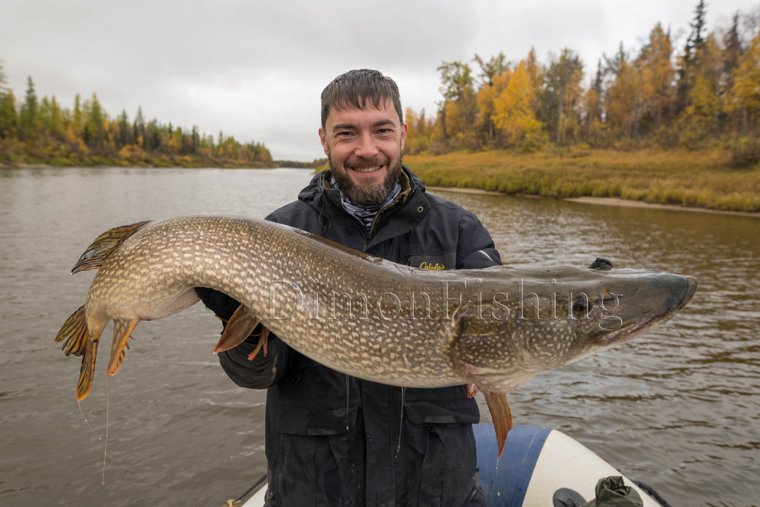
122	331
238	328
501	415
74	333
104	245
263	343
87	372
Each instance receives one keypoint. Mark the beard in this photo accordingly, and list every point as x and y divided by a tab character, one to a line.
366	195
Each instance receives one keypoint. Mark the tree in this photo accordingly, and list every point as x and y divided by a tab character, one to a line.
138	129
458	111
561	96
8	116
732	52
690	58
657	74
490	69
592	107
623	104
94	132
514	111
699	119
124	131
493	70
3	82
29	111
744	97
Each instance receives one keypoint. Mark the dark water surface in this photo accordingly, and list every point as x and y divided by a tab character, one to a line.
678	408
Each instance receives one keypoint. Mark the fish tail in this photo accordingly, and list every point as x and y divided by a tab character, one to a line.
104	245
74	333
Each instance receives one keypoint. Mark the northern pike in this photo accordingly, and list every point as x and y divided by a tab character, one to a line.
492	328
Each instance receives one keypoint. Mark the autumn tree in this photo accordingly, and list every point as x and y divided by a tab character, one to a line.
655	65
420	133
623	102
458	111
514	111
744	97
494	75
592	108
559	102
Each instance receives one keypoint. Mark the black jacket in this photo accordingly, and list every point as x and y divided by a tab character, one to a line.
335	440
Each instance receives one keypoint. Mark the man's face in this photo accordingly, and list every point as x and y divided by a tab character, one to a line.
364	149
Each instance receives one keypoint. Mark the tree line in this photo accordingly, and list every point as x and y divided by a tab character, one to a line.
41	130
655	97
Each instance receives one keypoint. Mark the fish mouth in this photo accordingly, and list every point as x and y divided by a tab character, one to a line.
672	305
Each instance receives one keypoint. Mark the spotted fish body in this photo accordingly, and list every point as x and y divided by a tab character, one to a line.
362	315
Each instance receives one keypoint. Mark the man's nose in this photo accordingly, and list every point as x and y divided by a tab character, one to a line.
367	146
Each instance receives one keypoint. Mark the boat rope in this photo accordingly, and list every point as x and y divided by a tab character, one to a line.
238	502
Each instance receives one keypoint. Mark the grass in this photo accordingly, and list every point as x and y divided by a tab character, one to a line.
702	179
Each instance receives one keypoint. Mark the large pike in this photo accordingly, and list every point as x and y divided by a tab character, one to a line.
370	318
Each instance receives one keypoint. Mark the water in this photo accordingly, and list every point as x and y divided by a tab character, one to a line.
678	408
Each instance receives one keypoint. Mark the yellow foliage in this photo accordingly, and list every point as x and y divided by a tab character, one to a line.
514	110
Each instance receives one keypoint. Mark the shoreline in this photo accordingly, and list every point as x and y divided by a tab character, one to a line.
602	201
599	201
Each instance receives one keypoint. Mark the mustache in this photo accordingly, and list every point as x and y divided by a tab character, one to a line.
362	163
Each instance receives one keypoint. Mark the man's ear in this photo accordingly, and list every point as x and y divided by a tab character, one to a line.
404	129
323	140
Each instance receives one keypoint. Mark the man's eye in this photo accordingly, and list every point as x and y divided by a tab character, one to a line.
343	133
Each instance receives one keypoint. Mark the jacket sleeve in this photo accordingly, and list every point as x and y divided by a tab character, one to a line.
263	371
476	248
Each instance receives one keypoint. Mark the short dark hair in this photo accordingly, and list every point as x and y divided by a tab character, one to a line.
358	89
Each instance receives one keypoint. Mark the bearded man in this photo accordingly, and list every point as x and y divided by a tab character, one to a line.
332	439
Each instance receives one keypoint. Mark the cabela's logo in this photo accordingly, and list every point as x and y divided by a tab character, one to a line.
432	266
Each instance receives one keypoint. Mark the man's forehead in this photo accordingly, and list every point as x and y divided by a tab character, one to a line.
345	111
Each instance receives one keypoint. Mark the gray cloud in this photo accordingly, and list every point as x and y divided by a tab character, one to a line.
255	69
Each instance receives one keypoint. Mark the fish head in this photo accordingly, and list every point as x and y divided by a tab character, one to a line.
543	318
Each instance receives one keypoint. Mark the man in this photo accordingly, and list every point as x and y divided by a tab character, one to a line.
332	439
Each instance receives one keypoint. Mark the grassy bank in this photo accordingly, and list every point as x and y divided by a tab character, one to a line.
702	179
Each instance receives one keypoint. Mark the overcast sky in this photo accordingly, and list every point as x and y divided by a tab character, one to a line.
255	69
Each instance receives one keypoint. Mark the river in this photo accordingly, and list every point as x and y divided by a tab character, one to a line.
678	408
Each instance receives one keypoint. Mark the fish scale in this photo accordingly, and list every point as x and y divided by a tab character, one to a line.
361	315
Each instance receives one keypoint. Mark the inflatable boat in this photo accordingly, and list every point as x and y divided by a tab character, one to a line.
540	467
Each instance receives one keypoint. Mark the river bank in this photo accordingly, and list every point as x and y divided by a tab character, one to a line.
606	201
698	179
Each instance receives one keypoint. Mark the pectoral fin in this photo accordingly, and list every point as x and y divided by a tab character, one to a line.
122	330
501	415
263	343
238	328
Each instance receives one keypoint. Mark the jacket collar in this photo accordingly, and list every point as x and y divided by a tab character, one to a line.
398	218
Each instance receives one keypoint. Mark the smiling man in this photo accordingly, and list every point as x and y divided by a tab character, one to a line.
336	440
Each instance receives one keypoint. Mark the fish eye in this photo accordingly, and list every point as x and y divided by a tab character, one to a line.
581	305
